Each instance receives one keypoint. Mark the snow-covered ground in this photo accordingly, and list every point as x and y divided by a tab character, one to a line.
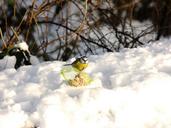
130	89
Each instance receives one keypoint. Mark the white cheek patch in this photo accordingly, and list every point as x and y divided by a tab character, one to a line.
84	60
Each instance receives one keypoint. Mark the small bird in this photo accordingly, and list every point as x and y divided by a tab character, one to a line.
80	63
74	75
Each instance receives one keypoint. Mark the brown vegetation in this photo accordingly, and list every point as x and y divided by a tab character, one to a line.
60	29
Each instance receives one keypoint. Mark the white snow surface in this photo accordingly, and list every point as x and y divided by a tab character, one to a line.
130	89
22	45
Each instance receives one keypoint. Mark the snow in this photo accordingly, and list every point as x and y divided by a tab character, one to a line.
130	89
7	62
22	45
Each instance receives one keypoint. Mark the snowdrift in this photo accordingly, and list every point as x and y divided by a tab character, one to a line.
130	89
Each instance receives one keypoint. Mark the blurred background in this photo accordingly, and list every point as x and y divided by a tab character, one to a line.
61	29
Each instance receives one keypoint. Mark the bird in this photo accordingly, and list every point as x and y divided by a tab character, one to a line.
80	63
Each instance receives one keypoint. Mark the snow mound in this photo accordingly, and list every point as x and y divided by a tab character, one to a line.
130	89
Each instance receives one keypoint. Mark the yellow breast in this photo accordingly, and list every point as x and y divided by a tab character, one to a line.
80	66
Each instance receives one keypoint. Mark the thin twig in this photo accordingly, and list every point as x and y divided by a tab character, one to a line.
15	33
2	37
81	36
